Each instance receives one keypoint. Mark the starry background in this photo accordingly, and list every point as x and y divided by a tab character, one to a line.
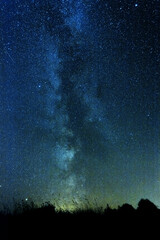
79	101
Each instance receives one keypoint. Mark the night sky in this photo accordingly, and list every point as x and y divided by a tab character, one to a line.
80	101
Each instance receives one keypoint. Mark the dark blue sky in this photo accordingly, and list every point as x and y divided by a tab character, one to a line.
79	100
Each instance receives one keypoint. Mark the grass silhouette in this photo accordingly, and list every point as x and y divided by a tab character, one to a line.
30	221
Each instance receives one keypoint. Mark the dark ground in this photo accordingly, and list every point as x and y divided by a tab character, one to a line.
30	222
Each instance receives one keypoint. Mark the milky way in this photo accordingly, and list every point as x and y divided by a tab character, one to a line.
79	101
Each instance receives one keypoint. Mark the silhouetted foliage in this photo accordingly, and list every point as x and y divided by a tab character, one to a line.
28	221
146	208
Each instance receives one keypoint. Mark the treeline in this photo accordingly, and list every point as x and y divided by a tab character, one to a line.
29	221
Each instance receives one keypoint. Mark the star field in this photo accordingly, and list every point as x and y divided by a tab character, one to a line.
79	101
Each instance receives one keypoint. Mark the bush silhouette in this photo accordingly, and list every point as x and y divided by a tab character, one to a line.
146	207
28	221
